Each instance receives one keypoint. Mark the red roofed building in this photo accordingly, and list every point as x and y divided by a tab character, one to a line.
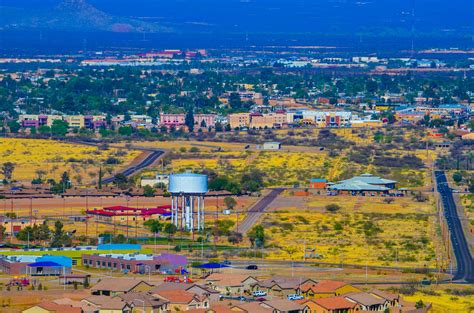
127	214
333	305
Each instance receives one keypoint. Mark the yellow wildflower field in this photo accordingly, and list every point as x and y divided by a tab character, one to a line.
443	302
364	231
54	157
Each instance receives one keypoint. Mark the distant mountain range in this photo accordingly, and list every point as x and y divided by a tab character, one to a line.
72	15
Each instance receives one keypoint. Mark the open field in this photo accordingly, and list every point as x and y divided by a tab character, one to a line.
55	157
444	300
364	231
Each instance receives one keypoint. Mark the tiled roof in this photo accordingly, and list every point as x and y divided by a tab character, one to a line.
324	286
58	308
106	303
283	305
177	296
252	307
283	282
384	294
335	303
220	279
364	298
117	284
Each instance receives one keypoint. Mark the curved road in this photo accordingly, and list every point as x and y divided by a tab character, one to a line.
465	265
149	160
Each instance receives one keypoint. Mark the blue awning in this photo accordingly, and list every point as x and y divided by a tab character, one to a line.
45	264
211	266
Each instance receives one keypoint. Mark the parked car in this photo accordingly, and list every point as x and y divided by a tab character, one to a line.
294	297
259	293
227	262
252	267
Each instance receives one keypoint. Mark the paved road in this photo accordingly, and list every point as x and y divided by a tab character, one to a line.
257	210
464	263
149	160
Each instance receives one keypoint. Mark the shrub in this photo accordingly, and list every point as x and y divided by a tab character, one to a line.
333	207
388	200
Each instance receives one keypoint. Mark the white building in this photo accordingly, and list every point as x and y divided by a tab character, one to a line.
158	180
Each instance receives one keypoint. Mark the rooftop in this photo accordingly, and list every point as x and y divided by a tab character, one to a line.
364	298
117	284
335	303
324	286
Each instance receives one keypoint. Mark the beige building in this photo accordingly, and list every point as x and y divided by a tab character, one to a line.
258	120
239	120
75	121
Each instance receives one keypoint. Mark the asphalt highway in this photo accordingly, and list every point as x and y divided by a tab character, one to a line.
257	210
464	263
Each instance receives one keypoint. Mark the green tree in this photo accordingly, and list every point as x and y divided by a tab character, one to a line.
457	177
230	203
7	171
44	130
125	131
149	191
59	128
256	236
14	126
154	226
121	180
189	120
60	238
170	230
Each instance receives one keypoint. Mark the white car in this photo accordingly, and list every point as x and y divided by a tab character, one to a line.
295	297
259	293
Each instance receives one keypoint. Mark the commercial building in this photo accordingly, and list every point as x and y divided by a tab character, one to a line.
136	262
321	119
362	184
177	120
258	120
35	265
74	121
123	214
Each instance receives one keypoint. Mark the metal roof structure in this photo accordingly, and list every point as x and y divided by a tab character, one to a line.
369	179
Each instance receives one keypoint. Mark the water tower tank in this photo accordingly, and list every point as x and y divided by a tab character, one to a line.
188	184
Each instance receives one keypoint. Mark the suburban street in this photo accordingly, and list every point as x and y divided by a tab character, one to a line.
464	263
257	210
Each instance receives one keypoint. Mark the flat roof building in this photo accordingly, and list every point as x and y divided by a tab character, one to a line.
135	262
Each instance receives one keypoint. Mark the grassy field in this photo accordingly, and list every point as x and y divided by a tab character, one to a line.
445	300
54	158
363	231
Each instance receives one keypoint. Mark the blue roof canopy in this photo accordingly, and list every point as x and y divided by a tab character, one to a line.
45	264
211	266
